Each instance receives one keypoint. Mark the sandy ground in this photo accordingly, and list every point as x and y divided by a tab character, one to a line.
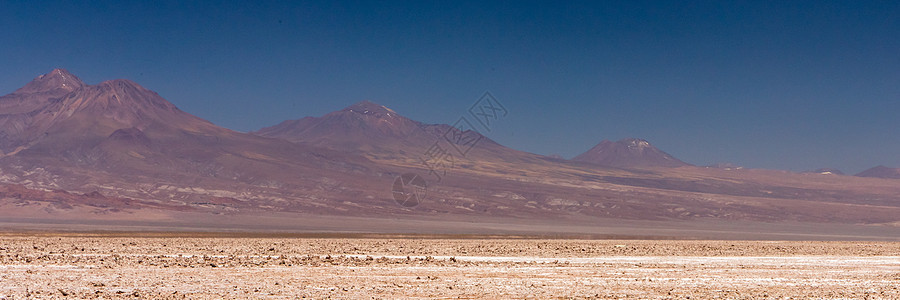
381	268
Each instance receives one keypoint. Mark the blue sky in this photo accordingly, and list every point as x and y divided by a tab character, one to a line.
794	85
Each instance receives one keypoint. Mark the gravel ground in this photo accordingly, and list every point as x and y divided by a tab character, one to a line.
214	268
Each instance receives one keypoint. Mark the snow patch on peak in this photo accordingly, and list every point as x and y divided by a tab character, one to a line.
638	144
370	109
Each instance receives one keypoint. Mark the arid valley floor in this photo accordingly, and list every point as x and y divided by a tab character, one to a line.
214	266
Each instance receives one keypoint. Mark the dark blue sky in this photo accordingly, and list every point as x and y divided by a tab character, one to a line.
766	84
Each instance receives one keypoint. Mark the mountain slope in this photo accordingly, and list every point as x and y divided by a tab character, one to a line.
376	131
628	153
364	126
881	172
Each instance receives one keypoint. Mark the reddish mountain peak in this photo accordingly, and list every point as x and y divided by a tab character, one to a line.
72	113
632	144
629	152
359	125
121	95
881	172
363	126
370	108
122	83
367	115
62	73
58	80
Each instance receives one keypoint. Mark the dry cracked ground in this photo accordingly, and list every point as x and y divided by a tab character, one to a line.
161	266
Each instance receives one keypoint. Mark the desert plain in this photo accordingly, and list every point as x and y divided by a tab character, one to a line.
273	266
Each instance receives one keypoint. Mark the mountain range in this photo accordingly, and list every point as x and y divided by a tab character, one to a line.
118	154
